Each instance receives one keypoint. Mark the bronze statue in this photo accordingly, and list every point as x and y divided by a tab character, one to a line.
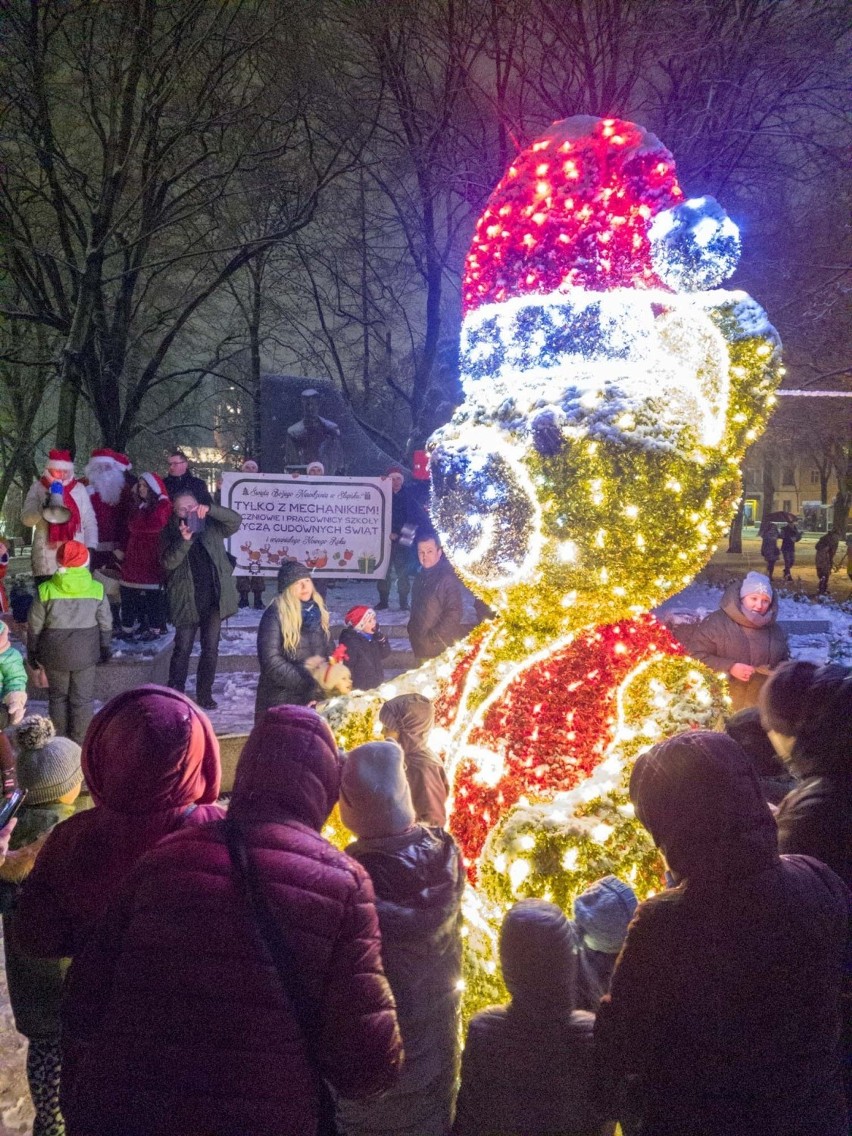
314	438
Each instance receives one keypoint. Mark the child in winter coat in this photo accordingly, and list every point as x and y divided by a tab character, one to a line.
602	914
48	767
13	680
418	876
70	629
775	779
408	719
527	1067
365	647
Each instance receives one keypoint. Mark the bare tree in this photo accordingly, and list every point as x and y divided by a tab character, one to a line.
135	131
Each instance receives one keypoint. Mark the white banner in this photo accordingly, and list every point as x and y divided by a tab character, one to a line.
337	526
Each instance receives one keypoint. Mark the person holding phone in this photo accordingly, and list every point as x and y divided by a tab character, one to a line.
200	587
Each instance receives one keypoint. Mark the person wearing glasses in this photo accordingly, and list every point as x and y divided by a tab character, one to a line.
180	479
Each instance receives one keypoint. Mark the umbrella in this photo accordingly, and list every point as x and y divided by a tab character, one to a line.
780	515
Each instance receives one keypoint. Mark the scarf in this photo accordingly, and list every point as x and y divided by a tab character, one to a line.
57	534
311	614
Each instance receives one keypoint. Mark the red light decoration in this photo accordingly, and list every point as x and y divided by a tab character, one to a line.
616	179
552	726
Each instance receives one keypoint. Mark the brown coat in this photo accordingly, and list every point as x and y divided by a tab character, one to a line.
730	636
436	610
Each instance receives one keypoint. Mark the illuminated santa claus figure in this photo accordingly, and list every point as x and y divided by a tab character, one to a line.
110	494
54	494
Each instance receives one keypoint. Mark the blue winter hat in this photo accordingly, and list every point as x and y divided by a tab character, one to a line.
603	913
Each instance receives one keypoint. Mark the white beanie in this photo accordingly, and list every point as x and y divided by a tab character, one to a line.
754	584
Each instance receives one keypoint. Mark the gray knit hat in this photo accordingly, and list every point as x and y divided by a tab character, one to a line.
290	573
47	766
374	796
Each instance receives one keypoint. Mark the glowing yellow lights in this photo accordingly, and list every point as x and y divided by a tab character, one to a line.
518	872
567	551
631	511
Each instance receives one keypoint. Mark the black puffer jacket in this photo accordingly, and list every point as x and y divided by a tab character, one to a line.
725	999
365	657
283	678
730	636
188	483
418	878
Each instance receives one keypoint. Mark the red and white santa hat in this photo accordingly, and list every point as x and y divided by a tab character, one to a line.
155	483
60	459
103	456
122	460
356	616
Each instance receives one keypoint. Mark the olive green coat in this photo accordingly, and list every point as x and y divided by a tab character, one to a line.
221	523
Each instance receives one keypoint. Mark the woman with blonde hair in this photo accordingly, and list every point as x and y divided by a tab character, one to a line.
292	629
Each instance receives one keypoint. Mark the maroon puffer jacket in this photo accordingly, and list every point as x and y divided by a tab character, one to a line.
151	762
186	1028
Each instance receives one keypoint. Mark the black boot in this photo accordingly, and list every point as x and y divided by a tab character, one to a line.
243	601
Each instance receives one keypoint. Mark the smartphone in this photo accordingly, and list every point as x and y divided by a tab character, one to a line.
11	805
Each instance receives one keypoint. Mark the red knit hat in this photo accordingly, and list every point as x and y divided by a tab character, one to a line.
72	554
356	615
60	459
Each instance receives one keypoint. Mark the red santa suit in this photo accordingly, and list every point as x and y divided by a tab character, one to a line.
111	498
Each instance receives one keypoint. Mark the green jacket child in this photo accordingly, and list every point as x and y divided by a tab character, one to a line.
70	629
13	679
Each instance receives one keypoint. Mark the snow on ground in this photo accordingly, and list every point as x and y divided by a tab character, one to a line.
833	643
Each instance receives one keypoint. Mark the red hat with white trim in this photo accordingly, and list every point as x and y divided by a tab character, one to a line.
122	459
155	483
356	615
60	459
103	455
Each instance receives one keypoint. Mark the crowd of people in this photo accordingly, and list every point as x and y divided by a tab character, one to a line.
123	556
182	964
185	965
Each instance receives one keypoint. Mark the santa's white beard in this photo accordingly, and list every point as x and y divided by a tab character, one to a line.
106	481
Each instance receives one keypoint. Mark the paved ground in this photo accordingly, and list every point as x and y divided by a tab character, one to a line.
725	565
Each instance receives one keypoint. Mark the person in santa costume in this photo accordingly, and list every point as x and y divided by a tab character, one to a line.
143	601
111	493
81	526
112	500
